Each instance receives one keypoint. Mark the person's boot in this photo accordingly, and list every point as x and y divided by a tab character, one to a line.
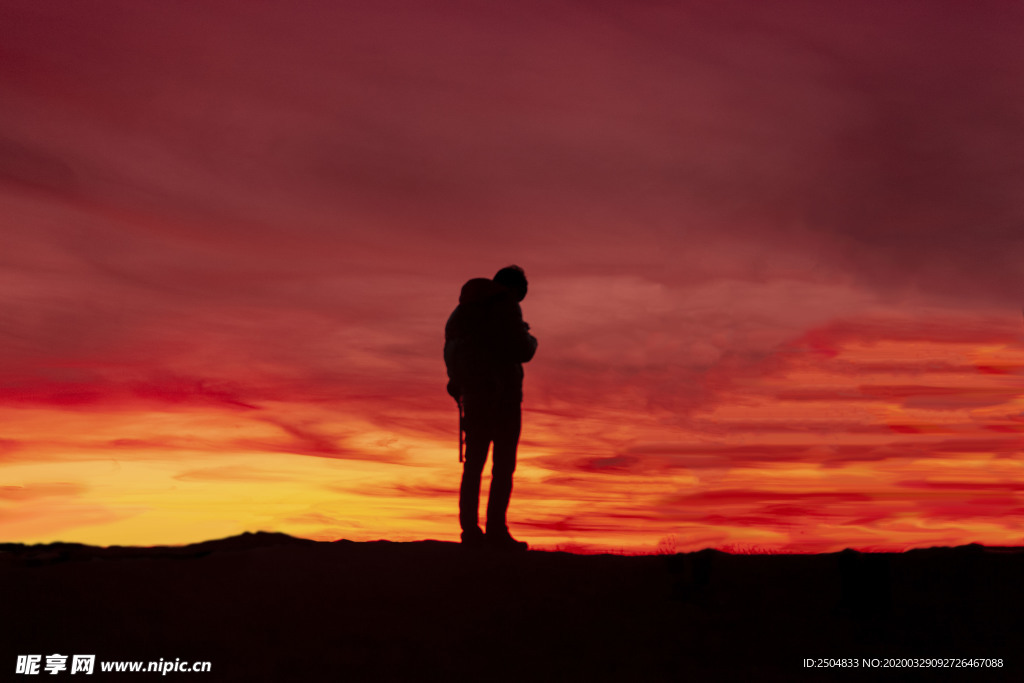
473	537
501	539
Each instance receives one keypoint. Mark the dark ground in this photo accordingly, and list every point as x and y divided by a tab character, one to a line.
268	607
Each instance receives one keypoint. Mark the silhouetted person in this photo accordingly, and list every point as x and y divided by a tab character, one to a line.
486	343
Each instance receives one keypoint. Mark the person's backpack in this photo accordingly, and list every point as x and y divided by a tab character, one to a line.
469	343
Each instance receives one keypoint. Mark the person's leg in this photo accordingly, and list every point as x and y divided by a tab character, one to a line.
478	441
506	439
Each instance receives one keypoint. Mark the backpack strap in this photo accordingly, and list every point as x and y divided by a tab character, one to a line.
462	429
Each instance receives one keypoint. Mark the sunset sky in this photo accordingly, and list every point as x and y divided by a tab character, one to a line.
774	249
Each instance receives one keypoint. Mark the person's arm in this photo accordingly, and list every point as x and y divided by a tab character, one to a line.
528	345
519	345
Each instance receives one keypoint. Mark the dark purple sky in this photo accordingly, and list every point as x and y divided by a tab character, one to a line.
267	208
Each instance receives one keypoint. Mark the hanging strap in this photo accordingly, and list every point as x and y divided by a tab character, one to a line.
462	426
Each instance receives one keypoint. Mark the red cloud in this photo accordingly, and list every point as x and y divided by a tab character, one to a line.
36	491
1003	486
105	393
748	496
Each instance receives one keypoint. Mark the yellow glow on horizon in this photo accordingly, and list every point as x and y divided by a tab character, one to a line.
178	476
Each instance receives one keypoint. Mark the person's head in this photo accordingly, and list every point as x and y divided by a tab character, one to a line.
514	278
